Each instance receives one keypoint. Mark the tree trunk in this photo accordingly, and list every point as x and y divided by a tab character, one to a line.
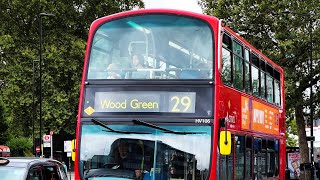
303	145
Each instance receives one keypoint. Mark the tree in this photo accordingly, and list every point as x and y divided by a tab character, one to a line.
3	125
64	40
285	38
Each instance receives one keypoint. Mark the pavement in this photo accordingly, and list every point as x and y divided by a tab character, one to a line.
70	175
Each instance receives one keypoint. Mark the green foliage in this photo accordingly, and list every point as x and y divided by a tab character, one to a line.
283	37
3	125
286	39
20	146
291	132
64	40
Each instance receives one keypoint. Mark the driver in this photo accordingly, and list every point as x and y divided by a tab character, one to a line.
129	157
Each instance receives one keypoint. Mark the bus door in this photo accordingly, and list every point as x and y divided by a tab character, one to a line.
257	170
248	159
226	168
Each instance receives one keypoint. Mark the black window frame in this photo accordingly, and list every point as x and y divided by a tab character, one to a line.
240	57
252	61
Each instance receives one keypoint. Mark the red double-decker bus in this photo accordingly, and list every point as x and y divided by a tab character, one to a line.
170	94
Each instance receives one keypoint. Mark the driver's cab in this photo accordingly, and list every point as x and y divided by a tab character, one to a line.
164	163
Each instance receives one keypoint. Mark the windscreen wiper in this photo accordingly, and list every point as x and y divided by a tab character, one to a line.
115	131
143	123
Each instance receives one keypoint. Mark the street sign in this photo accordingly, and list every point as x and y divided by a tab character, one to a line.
51	133
67	146
46	144
38	149
46	138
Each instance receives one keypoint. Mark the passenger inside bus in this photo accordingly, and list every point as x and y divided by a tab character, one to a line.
113	71
137	62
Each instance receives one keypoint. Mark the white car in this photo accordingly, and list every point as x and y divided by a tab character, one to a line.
24	168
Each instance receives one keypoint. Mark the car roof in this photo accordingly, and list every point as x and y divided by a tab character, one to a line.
28	161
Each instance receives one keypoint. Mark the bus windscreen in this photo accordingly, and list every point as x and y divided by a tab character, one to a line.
152	47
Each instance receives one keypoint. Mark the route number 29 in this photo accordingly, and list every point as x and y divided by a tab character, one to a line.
180	104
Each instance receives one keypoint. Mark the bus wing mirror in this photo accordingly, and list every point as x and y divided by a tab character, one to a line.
225	143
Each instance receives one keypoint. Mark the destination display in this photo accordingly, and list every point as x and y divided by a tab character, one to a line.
145	101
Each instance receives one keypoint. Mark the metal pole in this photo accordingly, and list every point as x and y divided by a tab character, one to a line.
40	55
33	106
311	99
51	145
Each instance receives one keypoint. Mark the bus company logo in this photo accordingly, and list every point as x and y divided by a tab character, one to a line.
89	110
230	118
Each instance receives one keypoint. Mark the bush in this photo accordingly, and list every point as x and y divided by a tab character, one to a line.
20	146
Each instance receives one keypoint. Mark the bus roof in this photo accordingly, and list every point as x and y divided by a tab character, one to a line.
155	11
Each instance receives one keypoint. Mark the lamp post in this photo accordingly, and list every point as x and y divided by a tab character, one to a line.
311	138
33	106
40	55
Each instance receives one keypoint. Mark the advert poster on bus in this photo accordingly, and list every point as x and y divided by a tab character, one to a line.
294	164
258	116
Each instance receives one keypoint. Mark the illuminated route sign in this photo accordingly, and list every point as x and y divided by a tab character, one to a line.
145	101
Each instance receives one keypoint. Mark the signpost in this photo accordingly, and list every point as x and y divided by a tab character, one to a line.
51	136
68	149
38	149
47	142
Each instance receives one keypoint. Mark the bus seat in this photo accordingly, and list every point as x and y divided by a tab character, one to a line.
192	74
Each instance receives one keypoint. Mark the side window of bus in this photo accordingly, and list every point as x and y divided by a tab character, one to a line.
270	83
239	159
257	158
247	70
263	78
238	65
255	80
248	173
264	158
277	94
272	158
226	167
226	60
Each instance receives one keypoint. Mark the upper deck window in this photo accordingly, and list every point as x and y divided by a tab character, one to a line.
152	47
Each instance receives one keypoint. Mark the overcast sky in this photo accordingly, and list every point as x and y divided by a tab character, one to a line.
189	5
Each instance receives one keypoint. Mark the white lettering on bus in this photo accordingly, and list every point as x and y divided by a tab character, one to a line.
258	116
202	121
